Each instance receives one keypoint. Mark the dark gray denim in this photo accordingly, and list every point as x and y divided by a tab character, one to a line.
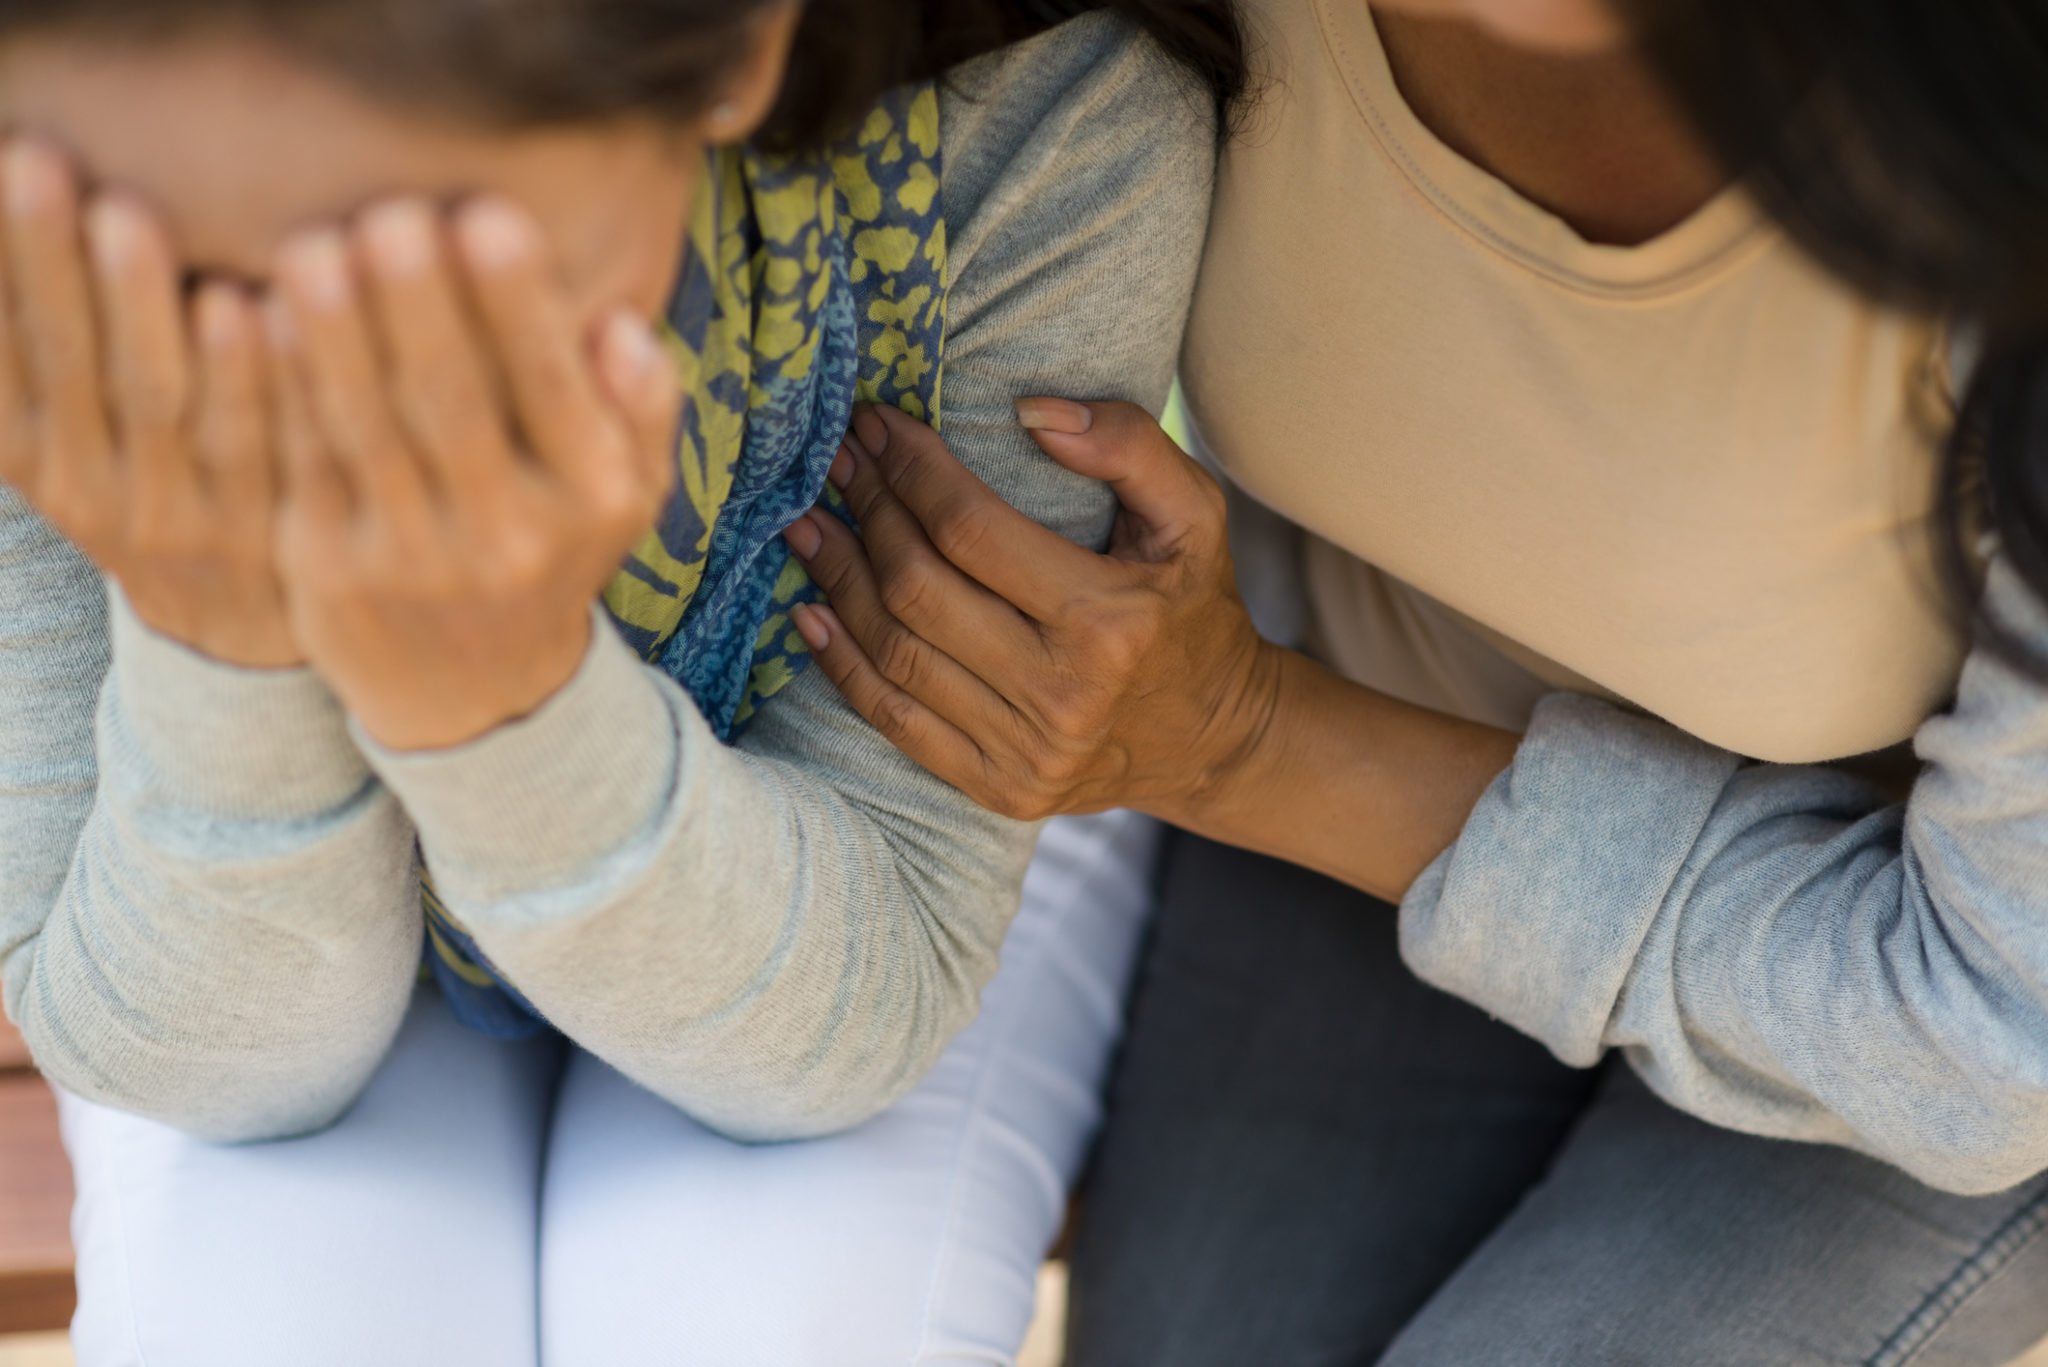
1315	1160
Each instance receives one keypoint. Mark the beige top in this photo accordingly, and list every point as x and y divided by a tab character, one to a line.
1692	475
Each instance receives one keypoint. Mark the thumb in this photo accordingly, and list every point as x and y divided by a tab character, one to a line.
1161	489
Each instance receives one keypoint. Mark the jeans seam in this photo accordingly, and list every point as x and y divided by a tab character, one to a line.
2004	1244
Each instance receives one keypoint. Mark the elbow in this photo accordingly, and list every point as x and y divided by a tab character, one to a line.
1973	1175
203	1104
252	1124
797	1110
1981	1174
216	1118
822	1089
1988	1155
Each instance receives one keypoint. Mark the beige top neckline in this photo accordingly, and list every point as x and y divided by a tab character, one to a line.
1715	239
1693	474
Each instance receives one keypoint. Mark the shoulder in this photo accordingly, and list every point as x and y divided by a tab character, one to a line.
1093	108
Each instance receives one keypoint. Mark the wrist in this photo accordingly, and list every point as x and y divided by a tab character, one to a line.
1238	758
436	713
246	636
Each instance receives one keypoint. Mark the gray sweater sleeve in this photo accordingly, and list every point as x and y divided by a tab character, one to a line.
202	888
779	938
1780	950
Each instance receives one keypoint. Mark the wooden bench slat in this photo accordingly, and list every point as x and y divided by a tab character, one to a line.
37	1302
13	1050
35	1210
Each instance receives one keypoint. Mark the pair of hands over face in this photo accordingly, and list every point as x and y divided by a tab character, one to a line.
406	463
1037	676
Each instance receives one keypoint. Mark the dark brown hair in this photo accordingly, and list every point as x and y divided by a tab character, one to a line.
563	61
1904	143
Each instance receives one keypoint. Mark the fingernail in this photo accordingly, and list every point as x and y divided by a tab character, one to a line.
629	349
316	265
495	235
35	177
399	236
810	624
1055	415
804	537
872	431
841	473
114	230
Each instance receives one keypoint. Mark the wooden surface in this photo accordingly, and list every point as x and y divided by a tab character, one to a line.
35	1200
13	1053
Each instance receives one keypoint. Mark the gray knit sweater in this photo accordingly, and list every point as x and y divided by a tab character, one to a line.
208	905
1781	949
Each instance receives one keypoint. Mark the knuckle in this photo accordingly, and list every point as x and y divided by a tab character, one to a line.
907	588
521	554
962	529
1122	648
1022	802
894	715
1072	710
615	500
900	657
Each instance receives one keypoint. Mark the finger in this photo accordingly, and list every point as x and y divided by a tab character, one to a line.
645	384
232	428
17	444
316	494
330	349
58	327
909	661
439	378
969	523
1168	495
148	375
903	720
929	594
535	339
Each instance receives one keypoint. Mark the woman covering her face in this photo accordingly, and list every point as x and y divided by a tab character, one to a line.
399	407
1622	522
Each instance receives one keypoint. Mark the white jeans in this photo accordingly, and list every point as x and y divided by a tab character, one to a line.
466	1212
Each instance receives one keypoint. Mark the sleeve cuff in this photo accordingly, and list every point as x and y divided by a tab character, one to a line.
1538	911
535	803
244	744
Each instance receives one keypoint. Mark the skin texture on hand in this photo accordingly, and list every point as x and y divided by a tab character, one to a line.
132	417
419	485
1155	654
440	545
279	505
1041	678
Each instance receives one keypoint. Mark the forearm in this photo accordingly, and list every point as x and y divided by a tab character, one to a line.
1339	778
225	941
777	940
1783	950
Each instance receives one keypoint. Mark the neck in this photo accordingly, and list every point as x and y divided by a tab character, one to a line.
1593	139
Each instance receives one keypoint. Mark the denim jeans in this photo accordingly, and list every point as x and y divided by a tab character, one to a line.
1314	1160
499	1204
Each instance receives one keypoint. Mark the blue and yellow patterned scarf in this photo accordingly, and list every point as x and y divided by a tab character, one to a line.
810	282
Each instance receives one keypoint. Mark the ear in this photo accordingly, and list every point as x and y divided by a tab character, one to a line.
755	79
